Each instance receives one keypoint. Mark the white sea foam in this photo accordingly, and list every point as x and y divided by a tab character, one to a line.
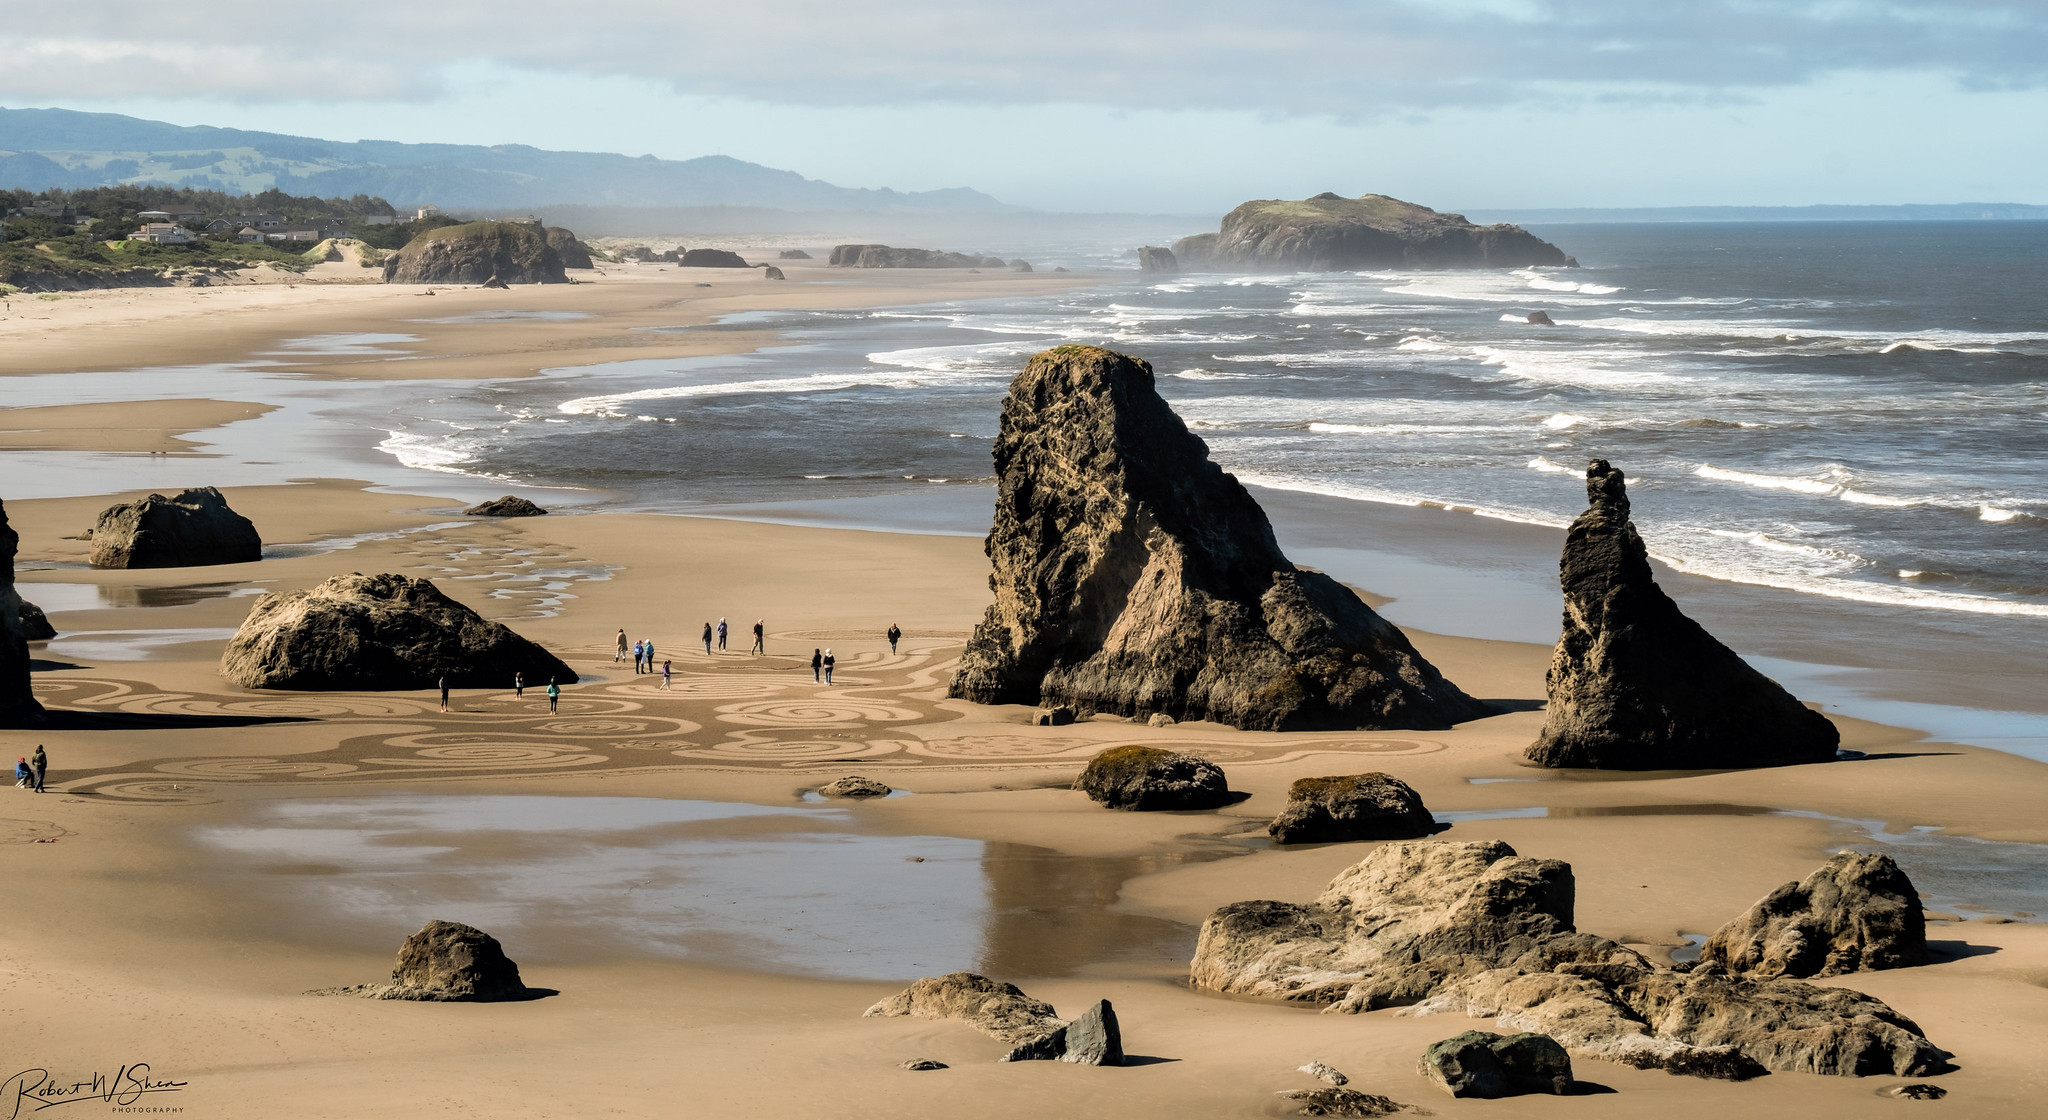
1544	283
1405	429
1539	463
1993	513
422	451
609	405
1562	420
1864	499
1768	481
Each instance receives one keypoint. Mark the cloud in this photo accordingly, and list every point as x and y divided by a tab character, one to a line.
1325	57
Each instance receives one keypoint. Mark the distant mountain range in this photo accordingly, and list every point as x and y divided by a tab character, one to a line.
43	148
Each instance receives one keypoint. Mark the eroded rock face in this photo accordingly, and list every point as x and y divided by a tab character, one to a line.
451	962
1330	233
1093	1039
190	528
856	787
1351	807
1858	913
1156	261
573	253
886	256
507	506
474	252
1492	1066
1636	685
18	704
1132	575
378	632
991	1006
1398	924
713	258
1148	779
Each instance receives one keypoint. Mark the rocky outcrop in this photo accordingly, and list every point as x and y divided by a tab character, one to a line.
1540	319
513	252
572	253
35	625
191	528
770	272
713	258
1351	807
1394	927
1636	685
1321	1072
885	256
793	255
1020	265
1340	1102
1858	913
1329	233
1156	261
856	787
1492	1066
1093	1039
1147	779
18	704
990	1006
378	632
508	506
447	962
1132	576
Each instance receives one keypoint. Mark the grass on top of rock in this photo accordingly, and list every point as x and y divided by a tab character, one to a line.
1376	210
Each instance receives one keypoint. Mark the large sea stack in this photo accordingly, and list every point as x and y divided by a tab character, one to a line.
378	632
190	528
1636	685
477	252
1330	233
1133	576
573	252
18	707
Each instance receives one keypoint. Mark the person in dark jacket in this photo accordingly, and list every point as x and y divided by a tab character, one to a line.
817	663
895	633
40	763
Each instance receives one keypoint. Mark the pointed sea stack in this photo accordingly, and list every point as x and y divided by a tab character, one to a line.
1636	685
18	706
1133	576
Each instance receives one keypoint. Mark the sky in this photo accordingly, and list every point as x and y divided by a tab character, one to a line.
1155	106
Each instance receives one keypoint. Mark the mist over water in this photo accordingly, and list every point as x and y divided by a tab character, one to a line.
1854	410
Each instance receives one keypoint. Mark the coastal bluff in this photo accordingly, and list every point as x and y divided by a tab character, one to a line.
1133	576
1330	233
478	253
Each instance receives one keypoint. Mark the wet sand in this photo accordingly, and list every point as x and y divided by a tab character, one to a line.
174	922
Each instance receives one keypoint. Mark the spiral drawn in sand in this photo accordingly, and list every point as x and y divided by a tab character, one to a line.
1006	746
815	711
296	706
152	790
612	726
706	688
445	752
251	769
793	751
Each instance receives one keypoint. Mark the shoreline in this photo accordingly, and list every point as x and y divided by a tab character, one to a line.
132	942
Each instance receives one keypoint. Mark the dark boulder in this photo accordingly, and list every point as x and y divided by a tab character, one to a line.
18	704
1351	807
572	252
770	272
378	632
1636	685
1541	319
1155	261
193	527
1492	1066
35	625
452	962
1132	576
920	1065
639	254
1020	266
1091	1040
1057	715
507	506
1859	913
475	252
1147	778
1340	1102
793	255
713	258
1331	234
855	787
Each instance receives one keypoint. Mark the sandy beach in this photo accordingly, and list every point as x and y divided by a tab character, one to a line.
185	880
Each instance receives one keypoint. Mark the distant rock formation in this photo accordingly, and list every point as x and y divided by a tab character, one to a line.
18	704
1475	929
990	1006
1636	685
378	632
507	506
1540	319
1132	575
1859	913
793	255
447	962
191	528
1490	1066
1020	266
35	625
641	254
856	787
1332	234
713	258
573	253
1351	807
885	256
1155	261
770	272
1148	778
514	252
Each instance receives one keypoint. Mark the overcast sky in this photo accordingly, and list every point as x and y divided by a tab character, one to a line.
1135	105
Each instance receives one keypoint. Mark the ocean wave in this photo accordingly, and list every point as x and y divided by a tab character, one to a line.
1544	283
1827	582
1792	483
609	404
1559	421
422	451
1564	369
1405	429
1539	463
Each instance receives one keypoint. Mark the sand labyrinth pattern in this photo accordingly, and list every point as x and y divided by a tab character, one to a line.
741	717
